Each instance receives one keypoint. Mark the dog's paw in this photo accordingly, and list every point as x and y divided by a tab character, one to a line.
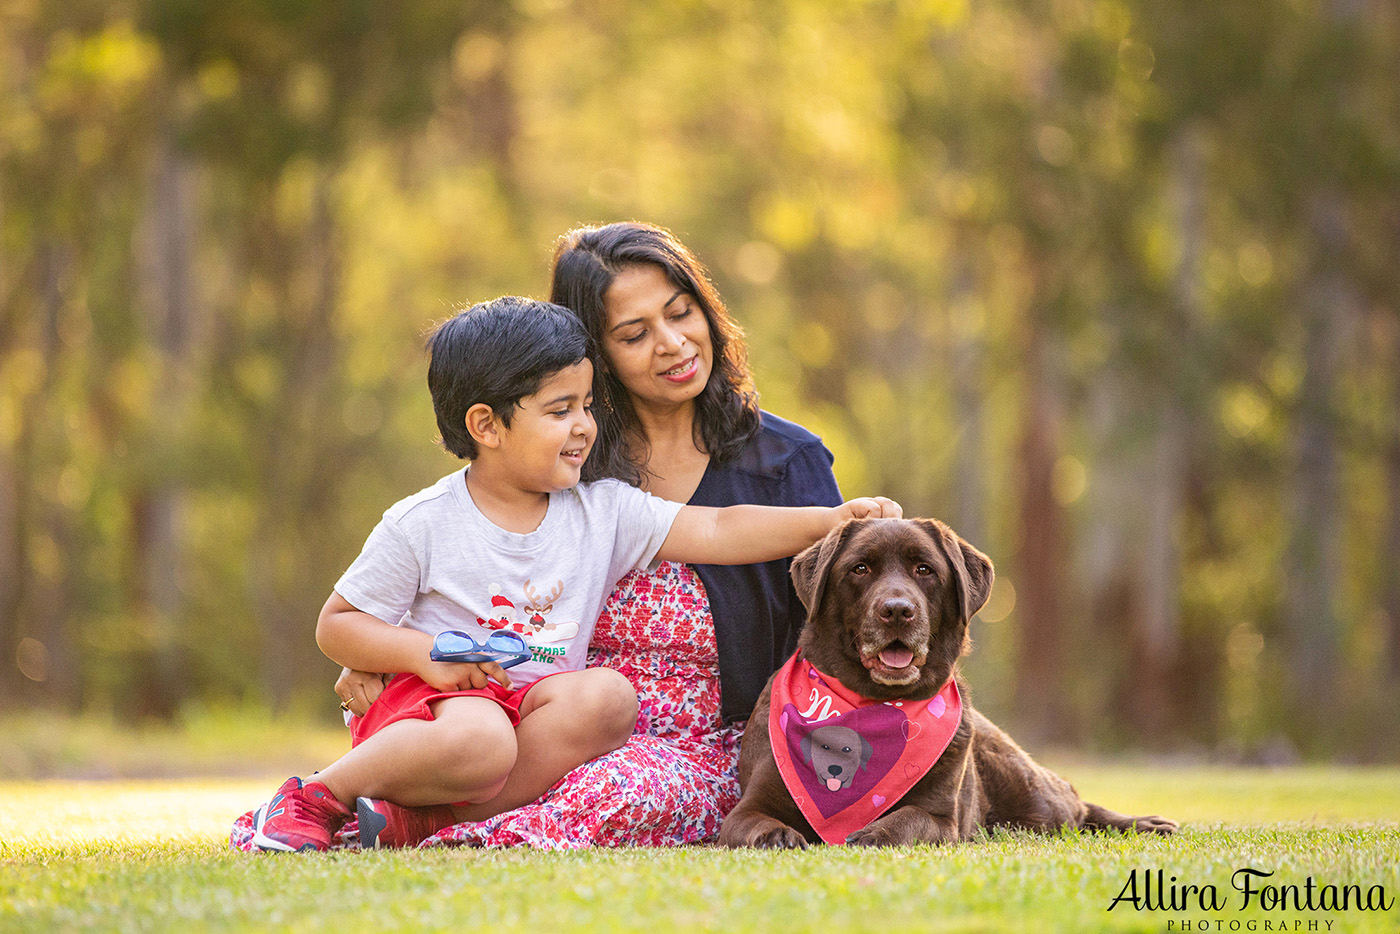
1154	824
874	836
780	838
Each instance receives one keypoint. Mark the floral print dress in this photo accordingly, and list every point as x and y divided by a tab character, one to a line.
675	779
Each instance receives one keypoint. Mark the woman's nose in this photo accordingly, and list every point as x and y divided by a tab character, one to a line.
669	340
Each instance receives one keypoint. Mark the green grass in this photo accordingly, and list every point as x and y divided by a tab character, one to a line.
216	741
149	856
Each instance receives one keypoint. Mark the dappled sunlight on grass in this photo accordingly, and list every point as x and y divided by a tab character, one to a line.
150	856
1238	796
203	742
64	813
59	813
1007	882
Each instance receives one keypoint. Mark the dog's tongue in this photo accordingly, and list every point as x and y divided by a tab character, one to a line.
896	658
833	784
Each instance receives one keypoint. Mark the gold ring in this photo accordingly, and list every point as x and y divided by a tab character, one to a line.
345	705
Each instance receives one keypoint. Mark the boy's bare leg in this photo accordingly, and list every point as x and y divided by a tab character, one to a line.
565	721
465	754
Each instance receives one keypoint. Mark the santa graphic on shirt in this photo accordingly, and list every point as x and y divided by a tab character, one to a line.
534	627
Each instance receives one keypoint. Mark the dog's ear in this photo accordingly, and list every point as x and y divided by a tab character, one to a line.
866	751
971	569
807	748
809	568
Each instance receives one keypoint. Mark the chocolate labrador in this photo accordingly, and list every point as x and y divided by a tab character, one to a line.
888	604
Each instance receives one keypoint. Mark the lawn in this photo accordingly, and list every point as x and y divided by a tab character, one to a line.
138	856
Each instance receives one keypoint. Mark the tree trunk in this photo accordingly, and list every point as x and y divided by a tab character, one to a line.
970	458
1314	552
1390	597
1132	558
1043	568
1165	689
46	590
168	300
301	473
11	573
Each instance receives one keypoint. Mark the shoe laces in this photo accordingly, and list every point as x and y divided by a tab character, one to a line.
318	803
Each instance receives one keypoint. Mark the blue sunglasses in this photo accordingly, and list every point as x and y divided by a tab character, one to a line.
506	649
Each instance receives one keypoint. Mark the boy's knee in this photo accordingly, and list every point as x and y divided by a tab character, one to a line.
608	702
477	752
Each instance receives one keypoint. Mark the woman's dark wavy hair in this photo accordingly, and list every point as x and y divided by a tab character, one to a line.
586	261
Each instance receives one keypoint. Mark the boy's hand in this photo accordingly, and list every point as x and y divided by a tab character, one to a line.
869	507
463	676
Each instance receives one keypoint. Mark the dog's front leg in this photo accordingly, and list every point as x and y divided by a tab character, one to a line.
766	816
748	826
905	825
935	810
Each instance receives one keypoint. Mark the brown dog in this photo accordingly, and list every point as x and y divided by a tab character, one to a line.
888	604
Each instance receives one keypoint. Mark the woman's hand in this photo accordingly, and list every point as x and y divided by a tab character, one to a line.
869	507
358	689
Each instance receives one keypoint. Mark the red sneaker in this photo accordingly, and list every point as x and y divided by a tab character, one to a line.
301	816
383	824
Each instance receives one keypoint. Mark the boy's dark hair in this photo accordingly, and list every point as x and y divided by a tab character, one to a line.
497	353
586	261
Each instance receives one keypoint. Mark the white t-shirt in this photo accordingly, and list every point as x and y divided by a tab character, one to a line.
435	562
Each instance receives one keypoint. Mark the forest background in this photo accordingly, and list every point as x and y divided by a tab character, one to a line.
1112	287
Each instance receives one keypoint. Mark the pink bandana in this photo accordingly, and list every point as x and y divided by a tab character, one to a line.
846	759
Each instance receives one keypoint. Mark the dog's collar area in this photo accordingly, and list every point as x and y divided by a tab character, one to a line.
845	758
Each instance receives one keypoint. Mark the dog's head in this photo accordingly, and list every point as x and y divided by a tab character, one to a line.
888	604
836	753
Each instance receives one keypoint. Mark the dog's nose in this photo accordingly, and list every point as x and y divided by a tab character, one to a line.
897	608
834	769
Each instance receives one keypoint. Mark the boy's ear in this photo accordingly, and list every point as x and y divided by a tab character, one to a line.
483	425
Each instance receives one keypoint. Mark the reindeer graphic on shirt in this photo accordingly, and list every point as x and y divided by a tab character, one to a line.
532	623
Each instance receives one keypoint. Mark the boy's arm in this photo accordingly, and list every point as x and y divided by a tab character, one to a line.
750	534
356	639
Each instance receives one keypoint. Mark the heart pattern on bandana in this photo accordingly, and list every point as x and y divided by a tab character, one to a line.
881	726
846	759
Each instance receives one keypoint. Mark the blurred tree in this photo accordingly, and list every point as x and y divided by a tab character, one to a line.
283	94
1109	284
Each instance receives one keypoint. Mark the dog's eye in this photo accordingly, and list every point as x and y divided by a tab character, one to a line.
845	748
861	569
826	747
923	570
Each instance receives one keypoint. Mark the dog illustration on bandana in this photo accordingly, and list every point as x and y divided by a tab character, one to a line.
504	615
836	754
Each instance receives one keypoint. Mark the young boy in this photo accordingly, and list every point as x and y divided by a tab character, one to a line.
446	741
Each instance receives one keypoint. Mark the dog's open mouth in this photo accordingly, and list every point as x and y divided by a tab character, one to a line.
896	663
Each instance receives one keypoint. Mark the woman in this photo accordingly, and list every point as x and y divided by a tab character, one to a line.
676	416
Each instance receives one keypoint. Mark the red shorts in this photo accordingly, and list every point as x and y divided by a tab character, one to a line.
409	697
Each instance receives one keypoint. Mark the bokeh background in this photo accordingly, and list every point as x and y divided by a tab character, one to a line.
1111	287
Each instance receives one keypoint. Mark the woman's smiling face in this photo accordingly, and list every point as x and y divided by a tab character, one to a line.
657	339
